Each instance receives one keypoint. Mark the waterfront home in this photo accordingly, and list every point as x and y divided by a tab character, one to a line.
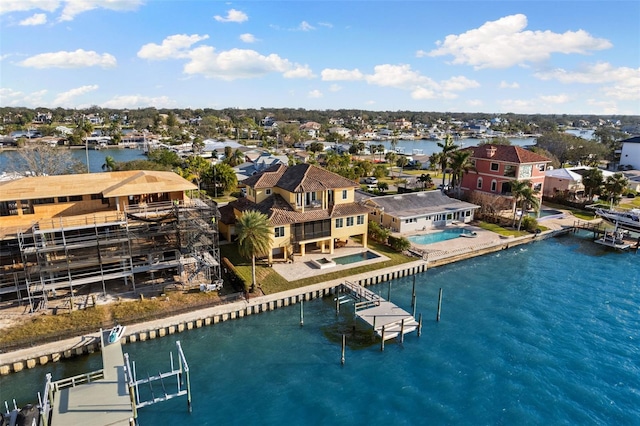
497	166
418	211
630	155
309	209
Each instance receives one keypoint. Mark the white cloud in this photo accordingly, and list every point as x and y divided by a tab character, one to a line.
507	85
65	99
315	94
248	38
232	16
300	71
138	101
335	88
325	24
73	8
504	43
458	83
400	76
36	19
8	6
555	99
174	46
77	59
625	81
330	74
305	26
239	63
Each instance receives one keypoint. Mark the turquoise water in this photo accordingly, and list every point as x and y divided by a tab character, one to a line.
436	237
353	258
547	333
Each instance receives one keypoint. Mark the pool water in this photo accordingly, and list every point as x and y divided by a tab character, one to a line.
353	258
436	237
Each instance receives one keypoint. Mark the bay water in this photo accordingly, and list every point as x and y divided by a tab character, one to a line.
547	333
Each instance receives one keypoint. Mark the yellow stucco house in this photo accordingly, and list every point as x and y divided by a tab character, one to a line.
309	209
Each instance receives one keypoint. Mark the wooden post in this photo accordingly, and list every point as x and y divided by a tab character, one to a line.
402	331
420	325
389	293
337	306
301	312
382	341
188	392
413	294
439	304
413	304
344	344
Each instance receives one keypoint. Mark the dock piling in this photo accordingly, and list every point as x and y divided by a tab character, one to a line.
439	304
402	331
382	341
301	312
413	294
344	344
420	325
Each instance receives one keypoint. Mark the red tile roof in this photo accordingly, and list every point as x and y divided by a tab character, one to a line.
508	154
299	179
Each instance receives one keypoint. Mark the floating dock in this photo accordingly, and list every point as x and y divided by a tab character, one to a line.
385	318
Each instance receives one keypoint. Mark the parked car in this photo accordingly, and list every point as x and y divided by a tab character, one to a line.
371	180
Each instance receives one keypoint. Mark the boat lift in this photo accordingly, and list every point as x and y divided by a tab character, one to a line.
180	375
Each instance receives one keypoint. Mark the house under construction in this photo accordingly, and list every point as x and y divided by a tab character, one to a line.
143	230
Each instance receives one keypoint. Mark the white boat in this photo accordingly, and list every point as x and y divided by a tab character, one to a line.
629	220
116	333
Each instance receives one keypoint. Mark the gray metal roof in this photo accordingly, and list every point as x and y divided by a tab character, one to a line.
418	204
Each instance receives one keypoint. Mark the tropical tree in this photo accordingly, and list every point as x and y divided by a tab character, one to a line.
254	238
222	177
592	181
41	159
614	186
426	180
383	187
529	200
448	146
518	187
401	162
236	158
109	164
461	164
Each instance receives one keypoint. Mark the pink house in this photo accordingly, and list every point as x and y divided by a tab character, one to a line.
496	166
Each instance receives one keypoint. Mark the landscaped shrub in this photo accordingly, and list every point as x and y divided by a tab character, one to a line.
529	224
378	233
399	243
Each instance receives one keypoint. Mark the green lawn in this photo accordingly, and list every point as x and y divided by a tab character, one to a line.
271	282
500	230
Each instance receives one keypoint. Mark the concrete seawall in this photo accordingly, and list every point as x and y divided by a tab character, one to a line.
52	352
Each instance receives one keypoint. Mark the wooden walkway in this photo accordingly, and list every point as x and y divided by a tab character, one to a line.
385	318
104	401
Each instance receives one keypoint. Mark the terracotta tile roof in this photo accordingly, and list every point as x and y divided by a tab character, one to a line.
280	212
508	154
299	178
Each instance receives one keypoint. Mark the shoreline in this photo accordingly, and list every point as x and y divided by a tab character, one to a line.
27	358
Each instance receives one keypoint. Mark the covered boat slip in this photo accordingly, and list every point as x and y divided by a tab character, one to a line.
385	318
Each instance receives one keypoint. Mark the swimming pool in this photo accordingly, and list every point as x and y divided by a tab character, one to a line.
436	237
353	258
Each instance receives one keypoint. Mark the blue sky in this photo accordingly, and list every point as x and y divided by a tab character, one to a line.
462	56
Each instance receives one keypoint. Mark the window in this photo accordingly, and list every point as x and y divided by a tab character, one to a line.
494	186
44	201
62	199
542	167
344	194
360	219
525	171
339	222
479	183
75	198
510	170
537	187
279	231
495	167
350	221
8	208
267	191
96	196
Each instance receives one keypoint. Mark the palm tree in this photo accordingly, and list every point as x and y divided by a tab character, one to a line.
614	187
426	180
592	181
529	199
401	162
109	164
448	146
254	238
460	165
518	187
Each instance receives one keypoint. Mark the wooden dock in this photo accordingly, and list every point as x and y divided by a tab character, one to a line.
102	398
385	318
